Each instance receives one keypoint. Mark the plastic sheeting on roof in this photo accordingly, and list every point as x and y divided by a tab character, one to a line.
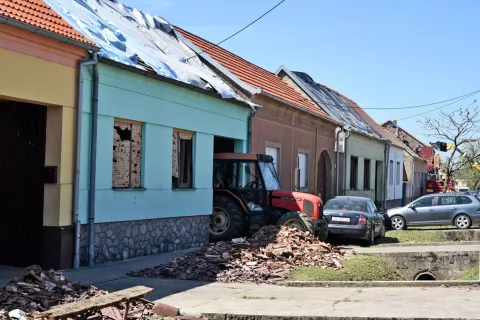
135	38
334	104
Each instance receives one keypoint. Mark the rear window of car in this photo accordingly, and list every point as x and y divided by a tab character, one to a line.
462	189
464	200
347	204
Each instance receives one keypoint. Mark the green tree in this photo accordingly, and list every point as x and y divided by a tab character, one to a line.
470	173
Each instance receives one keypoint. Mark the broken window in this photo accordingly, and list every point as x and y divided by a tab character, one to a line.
127	154
182	160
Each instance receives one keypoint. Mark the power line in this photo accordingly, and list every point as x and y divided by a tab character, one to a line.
233	35
400	108
419	114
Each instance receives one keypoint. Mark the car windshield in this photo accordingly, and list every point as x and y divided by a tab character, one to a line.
346	204
269	175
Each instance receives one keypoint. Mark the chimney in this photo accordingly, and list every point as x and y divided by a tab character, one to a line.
396	127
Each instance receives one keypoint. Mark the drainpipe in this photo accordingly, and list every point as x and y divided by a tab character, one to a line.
347	135
385	176
93	170
250	124
78	143
337	162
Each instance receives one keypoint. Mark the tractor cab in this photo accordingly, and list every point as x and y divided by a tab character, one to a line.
247	196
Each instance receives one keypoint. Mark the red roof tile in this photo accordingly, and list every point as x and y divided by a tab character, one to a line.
38	14
254	75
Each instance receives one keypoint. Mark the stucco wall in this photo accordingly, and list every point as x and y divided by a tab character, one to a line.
365	148
293	131
41	71
160	107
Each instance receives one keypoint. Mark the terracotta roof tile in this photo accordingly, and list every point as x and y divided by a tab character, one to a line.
38	14
254	75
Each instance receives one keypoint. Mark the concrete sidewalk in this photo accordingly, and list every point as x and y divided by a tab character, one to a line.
332	302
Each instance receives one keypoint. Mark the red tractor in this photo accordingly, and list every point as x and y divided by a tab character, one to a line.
247	196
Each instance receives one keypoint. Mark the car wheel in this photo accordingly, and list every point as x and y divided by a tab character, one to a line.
463	221
398	223
371	237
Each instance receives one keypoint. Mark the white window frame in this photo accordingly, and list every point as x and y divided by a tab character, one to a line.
302	161
390	173
274	152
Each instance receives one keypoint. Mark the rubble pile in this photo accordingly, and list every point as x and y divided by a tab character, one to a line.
38	290
268	256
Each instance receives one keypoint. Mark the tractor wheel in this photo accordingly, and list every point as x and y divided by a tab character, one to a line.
227	219
297	220
322	229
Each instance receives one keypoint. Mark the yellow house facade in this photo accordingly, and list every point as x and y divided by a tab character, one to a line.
38	94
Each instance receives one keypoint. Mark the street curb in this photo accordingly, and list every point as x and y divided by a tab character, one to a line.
372	284
225	316
428	244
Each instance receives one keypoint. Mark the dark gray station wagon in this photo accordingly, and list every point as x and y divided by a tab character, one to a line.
460	210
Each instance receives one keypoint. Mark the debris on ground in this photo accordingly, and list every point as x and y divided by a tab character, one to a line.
39	290
269	256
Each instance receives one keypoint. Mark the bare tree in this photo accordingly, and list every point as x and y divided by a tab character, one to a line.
458	128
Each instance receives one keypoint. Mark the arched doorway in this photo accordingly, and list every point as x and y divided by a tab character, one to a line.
324	179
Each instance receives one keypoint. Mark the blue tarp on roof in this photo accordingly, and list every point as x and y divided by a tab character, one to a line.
135	38
333	103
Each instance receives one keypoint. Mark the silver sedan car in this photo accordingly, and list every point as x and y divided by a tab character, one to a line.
460	210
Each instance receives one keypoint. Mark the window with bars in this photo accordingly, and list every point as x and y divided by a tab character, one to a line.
127	154
353	173
182	160
366	174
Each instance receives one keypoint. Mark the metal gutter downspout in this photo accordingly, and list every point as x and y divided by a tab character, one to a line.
337	163
250	125
93	170
345	144
385	176
78	144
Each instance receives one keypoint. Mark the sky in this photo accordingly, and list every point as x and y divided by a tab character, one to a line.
379	53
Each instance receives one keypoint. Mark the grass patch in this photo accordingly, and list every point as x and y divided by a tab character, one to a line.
398	236
472	274
258	298
357	268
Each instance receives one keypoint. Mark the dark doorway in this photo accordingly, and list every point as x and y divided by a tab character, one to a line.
223	145
21	190
324	179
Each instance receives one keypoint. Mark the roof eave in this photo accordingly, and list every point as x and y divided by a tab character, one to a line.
48	34
263	93
171	81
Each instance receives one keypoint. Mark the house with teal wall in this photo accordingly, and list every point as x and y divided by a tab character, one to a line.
152	116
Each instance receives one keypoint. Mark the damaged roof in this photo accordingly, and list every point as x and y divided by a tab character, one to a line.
38	14
334	103
135	38
252	76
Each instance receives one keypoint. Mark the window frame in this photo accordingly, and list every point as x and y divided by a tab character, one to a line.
277	149
390	174
353	173
130	123
187	136
366	174
301	152
398	173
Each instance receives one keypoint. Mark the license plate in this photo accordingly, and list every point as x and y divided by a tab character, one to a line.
340	219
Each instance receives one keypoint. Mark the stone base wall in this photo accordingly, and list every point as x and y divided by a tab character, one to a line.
116	241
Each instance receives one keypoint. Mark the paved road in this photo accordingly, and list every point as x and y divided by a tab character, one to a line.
398	249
